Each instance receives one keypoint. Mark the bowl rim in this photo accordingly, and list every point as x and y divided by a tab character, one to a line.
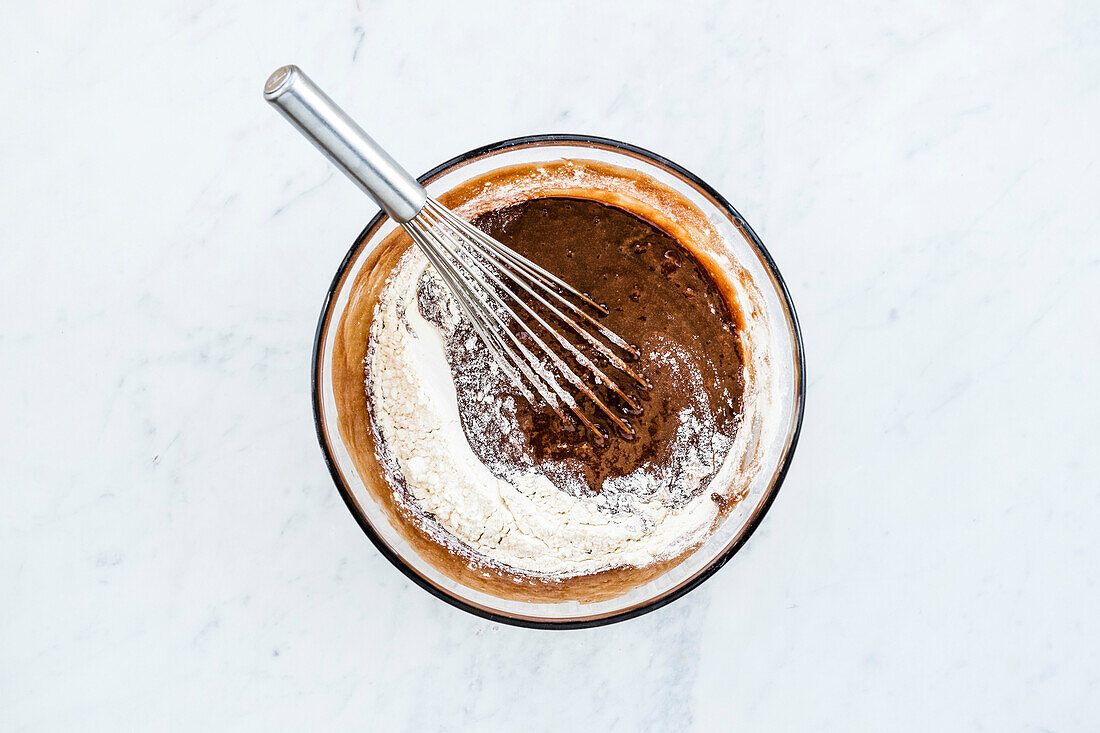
750	526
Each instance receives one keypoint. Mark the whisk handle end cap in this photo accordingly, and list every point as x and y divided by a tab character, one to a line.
279	81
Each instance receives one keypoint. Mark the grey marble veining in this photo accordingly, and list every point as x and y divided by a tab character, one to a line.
173	555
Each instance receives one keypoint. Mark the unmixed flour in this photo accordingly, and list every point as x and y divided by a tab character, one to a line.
539	521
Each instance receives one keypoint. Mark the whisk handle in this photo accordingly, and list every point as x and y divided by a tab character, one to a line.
344	143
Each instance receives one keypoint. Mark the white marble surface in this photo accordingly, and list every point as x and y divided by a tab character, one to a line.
173	555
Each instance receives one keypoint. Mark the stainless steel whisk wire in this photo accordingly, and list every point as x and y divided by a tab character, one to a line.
476	268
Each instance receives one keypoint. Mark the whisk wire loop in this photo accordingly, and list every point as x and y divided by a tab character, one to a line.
476	268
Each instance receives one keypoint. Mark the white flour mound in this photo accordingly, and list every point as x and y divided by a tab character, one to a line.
524	521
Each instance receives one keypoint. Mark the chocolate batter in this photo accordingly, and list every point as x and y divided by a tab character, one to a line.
660	299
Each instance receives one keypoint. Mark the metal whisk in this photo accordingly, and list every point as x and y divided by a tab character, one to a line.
487	279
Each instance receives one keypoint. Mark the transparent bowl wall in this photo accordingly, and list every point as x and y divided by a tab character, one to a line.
745	516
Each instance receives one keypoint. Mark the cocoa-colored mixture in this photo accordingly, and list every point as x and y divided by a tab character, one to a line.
659	298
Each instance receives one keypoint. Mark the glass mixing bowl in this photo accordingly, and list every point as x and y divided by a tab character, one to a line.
788	391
